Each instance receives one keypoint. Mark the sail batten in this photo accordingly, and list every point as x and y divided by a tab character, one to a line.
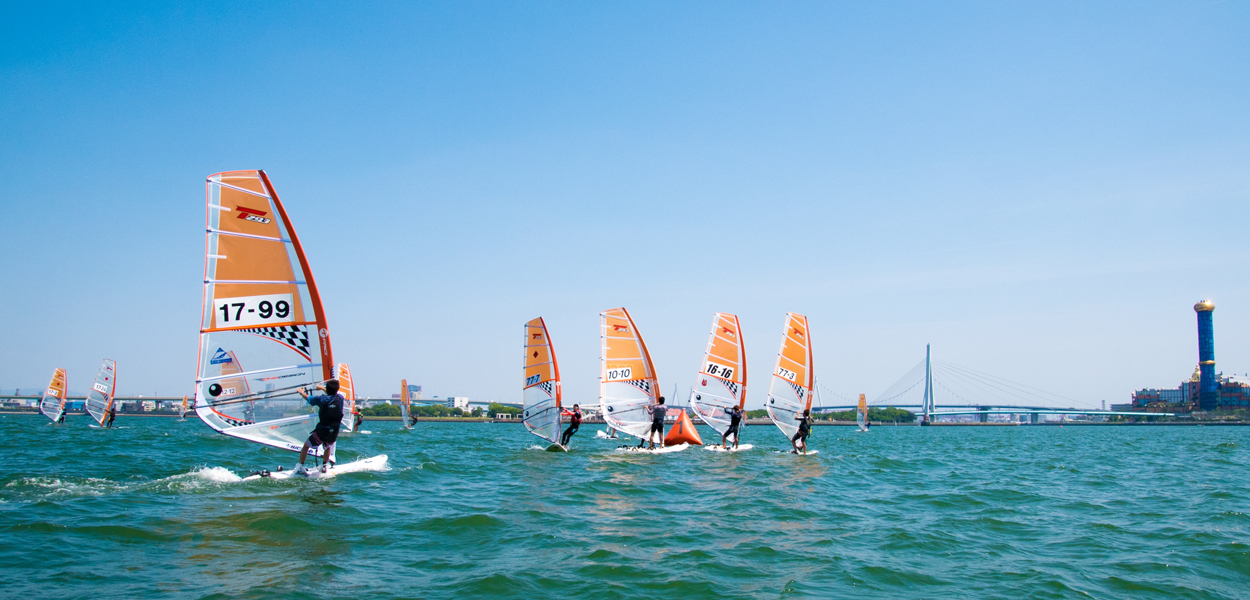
627	381
790	387
261	308
721	383
541	393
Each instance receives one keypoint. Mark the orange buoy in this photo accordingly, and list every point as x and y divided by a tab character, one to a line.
683	432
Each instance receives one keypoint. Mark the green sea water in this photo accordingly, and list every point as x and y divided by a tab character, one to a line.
155	509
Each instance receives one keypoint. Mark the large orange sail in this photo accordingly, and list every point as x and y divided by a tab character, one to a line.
627	382
790	390
722	381
541	391
52	405
261	309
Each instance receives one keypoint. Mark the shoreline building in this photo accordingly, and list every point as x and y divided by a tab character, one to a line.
1205	389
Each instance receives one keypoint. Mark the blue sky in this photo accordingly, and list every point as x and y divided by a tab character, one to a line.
1040	190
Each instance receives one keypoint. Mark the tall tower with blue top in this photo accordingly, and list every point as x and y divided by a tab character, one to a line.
1208	387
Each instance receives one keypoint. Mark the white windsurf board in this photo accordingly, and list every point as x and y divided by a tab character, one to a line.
718	448
375	463
658	449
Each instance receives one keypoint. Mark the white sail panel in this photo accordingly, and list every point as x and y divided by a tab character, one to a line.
52	405
263	333
790	388
627	382
100	397
346	387
541	392
722	381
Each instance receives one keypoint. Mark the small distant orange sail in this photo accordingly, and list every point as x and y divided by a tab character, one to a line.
683	432
404	401
52	405
344	375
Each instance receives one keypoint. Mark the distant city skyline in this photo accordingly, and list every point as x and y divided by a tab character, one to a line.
1040	191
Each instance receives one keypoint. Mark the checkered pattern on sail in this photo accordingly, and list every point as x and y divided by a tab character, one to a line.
294	336
733	387
798	390
548	387
641	384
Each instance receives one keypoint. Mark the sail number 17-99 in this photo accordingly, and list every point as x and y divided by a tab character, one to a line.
253	310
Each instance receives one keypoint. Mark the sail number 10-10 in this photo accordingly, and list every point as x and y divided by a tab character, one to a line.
253	310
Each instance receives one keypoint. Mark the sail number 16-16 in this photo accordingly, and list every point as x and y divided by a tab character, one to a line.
253	310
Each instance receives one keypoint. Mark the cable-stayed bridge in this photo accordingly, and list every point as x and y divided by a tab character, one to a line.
965	391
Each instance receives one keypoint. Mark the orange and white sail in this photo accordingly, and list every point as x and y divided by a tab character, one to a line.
405	401
52	405
790	391
344	375
722	381
541	392
100	397
261	307
627	382
182	414
861	413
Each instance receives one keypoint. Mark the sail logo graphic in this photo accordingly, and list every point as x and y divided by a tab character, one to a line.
620	328
221	357
728	331
797	332
253	215
536	336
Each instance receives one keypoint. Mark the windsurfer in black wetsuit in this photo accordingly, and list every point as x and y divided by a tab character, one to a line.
359	420
412	417
805	429
329	418
735	426
657	411
112	414
575	421
61	419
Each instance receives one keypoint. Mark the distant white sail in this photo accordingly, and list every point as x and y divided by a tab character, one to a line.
100	398
722	381
541	392
627	382
861	413
52	405
261	309
790	389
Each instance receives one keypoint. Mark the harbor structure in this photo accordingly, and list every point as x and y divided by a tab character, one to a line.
1208	394
1205	389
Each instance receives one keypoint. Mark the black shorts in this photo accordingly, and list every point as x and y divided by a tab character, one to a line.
656	426
800	435
733	428
323	436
